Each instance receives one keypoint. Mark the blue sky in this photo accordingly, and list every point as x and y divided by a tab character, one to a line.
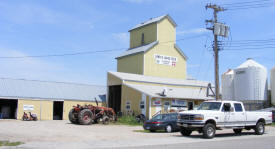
33	27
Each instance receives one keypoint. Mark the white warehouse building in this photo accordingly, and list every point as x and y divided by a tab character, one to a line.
247	83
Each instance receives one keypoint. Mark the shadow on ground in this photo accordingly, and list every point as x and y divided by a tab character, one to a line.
223	135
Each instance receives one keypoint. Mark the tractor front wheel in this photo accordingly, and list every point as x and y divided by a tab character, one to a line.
85	117
72	117
105	119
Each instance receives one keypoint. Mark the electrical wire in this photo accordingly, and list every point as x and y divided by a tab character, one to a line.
87	52
248	5
252	5
240	49
247	2
60	55
244	8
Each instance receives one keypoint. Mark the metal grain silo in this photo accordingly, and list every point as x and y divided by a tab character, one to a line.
272	85
250	81
228	85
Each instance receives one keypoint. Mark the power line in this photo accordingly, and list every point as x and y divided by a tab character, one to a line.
252	5
240	49
249	5
249	41
247	2
60	55
243	8
87	52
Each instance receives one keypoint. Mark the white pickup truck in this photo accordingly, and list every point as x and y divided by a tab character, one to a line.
215	115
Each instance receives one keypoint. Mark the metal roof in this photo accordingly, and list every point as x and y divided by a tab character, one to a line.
44	90
158	80
154	20
172	92
250	63
137	50
146	48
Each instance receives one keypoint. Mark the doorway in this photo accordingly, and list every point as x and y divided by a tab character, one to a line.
190	105
8	108
114	98
58	110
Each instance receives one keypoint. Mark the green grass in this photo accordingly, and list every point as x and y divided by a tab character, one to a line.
147	131
7	143
128	120
273	124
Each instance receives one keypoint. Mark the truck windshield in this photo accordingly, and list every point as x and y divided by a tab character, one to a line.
210	106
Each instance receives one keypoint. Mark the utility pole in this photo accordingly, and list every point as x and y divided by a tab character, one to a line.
216	9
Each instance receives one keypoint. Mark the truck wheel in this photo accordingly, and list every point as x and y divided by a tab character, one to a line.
168	128
72	118
237	131
185	132
260	128
85	117
209	131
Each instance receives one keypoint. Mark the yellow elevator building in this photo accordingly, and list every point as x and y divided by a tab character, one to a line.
151	74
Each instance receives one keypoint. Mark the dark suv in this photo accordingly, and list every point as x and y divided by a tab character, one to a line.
167	122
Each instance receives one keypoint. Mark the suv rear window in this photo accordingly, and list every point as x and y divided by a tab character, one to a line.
238	107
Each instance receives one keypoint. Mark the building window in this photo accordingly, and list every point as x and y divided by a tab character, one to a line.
142	39
157	102
128	105
142	104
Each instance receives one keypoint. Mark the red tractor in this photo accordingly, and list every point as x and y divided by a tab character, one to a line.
88	114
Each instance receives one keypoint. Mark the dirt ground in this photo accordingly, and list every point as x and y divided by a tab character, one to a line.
64	131
63	134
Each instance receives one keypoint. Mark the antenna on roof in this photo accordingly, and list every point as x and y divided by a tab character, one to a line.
164	92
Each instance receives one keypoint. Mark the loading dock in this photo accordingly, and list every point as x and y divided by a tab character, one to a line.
8	108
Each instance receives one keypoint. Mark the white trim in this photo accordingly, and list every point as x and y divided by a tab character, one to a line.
148	79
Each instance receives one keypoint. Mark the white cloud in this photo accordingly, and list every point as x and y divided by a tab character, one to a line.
122	37
193	31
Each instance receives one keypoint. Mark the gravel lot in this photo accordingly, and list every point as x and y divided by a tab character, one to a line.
63	134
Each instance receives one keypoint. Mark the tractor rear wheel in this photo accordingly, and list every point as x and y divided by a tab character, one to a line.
85	117
72	117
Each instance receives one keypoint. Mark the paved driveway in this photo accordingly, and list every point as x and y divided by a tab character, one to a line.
62	134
